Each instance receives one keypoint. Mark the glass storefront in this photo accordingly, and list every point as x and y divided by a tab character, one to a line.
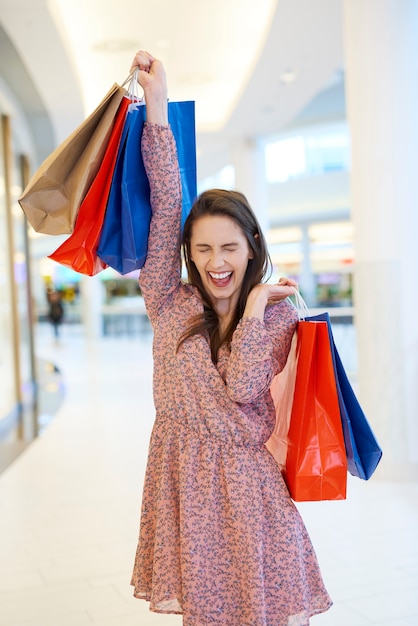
8	388
17	384
24	299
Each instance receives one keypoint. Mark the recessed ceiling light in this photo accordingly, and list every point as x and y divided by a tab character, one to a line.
288	76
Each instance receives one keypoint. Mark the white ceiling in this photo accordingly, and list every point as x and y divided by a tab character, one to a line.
234	57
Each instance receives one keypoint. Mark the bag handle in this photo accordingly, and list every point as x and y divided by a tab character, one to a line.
300	305
128	79
132	90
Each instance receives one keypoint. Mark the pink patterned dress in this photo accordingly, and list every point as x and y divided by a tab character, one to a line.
221	541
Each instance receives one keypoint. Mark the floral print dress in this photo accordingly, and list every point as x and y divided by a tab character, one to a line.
221	541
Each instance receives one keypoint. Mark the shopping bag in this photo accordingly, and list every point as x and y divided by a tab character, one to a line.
363	450
124	237
52	198
316	462
181	116
79	251
282	390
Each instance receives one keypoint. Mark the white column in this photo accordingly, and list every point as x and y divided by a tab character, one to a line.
91	291
250	177
382	99
307	283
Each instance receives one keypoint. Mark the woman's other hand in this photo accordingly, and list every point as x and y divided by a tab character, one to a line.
265	293
152	78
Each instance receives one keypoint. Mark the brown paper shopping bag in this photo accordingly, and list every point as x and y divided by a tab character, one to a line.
52	198
79	250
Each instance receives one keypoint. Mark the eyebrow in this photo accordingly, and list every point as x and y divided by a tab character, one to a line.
224	245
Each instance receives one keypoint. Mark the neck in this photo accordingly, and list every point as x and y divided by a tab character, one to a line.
226	307
225	311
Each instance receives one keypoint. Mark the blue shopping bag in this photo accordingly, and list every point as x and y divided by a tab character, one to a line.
363	450
124	238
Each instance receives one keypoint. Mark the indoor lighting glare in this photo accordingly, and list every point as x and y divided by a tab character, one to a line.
284	235
33	234
290	258
336	232
17	211
46	266
16	190
285	159
337	254
19	257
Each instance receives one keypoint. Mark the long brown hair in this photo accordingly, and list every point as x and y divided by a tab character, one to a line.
234	205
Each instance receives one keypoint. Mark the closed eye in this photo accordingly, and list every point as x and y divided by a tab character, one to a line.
230	247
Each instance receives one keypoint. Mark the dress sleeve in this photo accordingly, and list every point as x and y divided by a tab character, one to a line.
258	353
161	273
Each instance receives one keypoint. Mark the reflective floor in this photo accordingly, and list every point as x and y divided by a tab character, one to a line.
69	508
38	409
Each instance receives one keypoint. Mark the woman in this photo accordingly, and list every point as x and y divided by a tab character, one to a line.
221	542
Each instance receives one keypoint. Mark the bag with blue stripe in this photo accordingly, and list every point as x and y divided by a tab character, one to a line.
124	238
363	450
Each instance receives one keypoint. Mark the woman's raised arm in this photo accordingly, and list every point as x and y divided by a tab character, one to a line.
152	78
161	273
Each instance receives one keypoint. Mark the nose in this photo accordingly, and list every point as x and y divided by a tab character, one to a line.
217	260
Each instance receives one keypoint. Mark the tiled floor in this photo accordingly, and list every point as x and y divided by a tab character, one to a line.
69	510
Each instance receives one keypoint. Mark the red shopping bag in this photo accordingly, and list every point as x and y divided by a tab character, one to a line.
316	460
79	251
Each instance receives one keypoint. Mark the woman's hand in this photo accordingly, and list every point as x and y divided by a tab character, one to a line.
152	78
265	293
284	288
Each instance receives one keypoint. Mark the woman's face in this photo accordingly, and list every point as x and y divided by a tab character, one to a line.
220	251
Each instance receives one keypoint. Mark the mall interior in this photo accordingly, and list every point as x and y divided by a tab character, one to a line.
316	122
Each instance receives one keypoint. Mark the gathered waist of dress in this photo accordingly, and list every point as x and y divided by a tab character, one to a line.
226	435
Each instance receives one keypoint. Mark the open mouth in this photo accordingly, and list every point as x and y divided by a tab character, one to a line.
220	279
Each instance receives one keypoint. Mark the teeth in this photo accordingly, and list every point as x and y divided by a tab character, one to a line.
220	276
